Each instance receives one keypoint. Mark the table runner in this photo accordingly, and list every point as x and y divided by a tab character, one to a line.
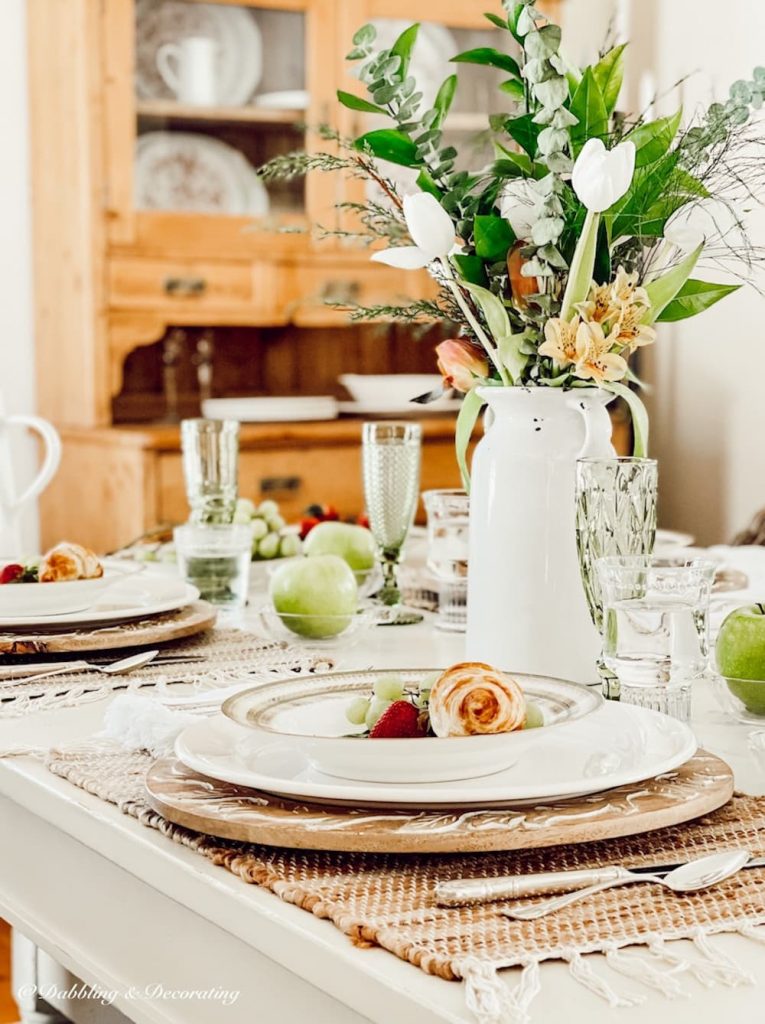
387	900
227	656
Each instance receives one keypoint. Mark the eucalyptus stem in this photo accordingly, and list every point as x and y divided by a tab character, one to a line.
482	336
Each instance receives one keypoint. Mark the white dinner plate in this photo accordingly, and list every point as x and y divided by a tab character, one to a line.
673	539
185	171
234	29
615	746
271	408
443	405
286	99
142	595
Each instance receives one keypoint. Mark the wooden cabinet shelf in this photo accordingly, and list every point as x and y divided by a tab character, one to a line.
169	110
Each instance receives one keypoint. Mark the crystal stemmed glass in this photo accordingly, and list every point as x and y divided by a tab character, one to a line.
391	455
615	515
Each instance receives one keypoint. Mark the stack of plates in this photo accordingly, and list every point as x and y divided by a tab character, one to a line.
291	739
271	409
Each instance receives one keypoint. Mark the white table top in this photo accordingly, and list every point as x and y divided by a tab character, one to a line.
372	983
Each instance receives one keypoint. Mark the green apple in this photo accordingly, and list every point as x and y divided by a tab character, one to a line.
315	597
352	543
740	655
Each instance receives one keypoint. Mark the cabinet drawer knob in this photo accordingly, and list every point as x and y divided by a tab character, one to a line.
185	287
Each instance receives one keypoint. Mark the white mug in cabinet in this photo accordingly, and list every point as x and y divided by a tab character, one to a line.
190	69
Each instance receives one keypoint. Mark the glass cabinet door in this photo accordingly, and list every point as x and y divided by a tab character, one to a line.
199	95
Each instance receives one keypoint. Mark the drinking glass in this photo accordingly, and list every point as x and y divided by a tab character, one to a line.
210	468
656	627
615	515
448	525
215	558
391	454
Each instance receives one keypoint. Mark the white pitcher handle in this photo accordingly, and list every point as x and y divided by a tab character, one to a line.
51	460
592	414
167	55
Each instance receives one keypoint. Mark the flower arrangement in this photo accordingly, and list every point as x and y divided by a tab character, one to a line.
557	259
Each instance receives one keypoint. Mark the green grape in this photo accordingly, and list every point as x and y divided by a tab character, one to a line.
167	553
244	510
275	523
534	717
269	546
290	545
266	509
376	708
259	529
389	688
428	682
146	555
356	712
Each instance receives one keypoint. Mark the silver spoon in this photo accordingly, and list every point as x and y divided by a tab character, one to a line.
696	874
123	665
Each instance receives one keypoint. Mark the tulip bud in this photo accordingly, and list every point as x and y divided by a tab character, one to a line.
520	286
459	363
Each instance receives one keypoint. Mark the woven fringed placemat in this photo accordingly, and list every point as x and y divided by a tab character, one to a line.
221	657
387	901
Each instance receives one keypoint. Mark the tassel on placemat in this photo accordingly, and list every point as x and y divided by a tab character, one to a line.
753	931
582	972
633	965
490	1000
727	971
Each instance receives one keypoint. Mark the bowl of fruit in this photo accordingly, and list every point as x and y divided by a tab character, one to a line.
740	660
463	722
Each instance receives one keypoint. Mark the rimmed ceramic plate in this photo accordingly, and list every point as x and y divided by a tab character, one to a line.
51	601
615	746
140	596
313	711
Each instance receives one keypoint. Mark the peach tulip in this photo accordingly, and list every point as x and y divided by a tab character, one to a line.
459	363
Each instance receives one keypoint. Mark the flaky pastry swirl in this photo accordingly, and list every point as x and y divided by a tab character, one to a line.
473	699
66	562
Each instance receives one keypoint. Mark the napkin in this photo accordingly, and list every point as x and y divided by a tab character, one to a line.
139	722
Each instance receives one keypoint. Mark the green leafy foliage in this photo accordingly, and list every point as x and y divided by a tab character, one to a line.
525	132
667	287
469	412
403	46
693	298
444	98
472	269
653	140
389	144
357	103
493	236
487	55
637	412
589	107
609	75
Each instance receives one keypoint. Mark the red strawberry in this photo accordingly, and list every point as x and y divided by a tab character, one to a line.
306	525
11	573
399	721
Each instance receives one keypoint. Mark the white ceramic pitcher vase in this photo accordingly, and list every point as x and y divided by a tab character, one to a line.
526	606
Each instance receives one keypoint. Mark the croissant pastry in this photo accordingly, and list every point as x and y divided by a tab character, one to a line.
473	699
66	562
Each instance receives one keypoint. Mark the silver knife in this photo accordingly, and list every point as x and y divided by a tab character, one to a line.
460	891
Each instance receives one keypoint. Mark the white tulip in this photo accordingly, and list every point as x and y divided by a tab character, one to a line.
521	206
602	176
431	229
699	222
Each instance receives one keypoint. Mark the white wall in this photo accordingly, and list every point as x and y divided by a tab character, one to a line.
16	323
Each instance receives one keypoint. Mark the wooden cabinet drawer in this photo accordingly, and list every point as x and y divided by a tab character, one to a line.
313	289
192	287
297	477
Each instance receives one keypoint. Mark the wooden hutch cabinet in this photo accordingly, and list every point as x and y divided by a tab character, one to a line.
121	266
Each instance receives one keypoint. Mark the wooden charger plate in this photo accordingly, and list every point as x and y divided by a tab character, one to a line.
149	632
220	809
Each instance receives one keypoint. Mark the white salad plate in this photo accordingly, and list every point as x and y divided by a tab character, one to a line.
139	596
672	539
286	99
234	29
196	173
615	746
271	408
52	600
313	712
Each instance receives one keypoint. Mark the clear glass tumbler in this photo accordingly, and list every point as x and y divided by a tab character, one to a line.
391	455
448	534
215	558
656	628
615	515
210	468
